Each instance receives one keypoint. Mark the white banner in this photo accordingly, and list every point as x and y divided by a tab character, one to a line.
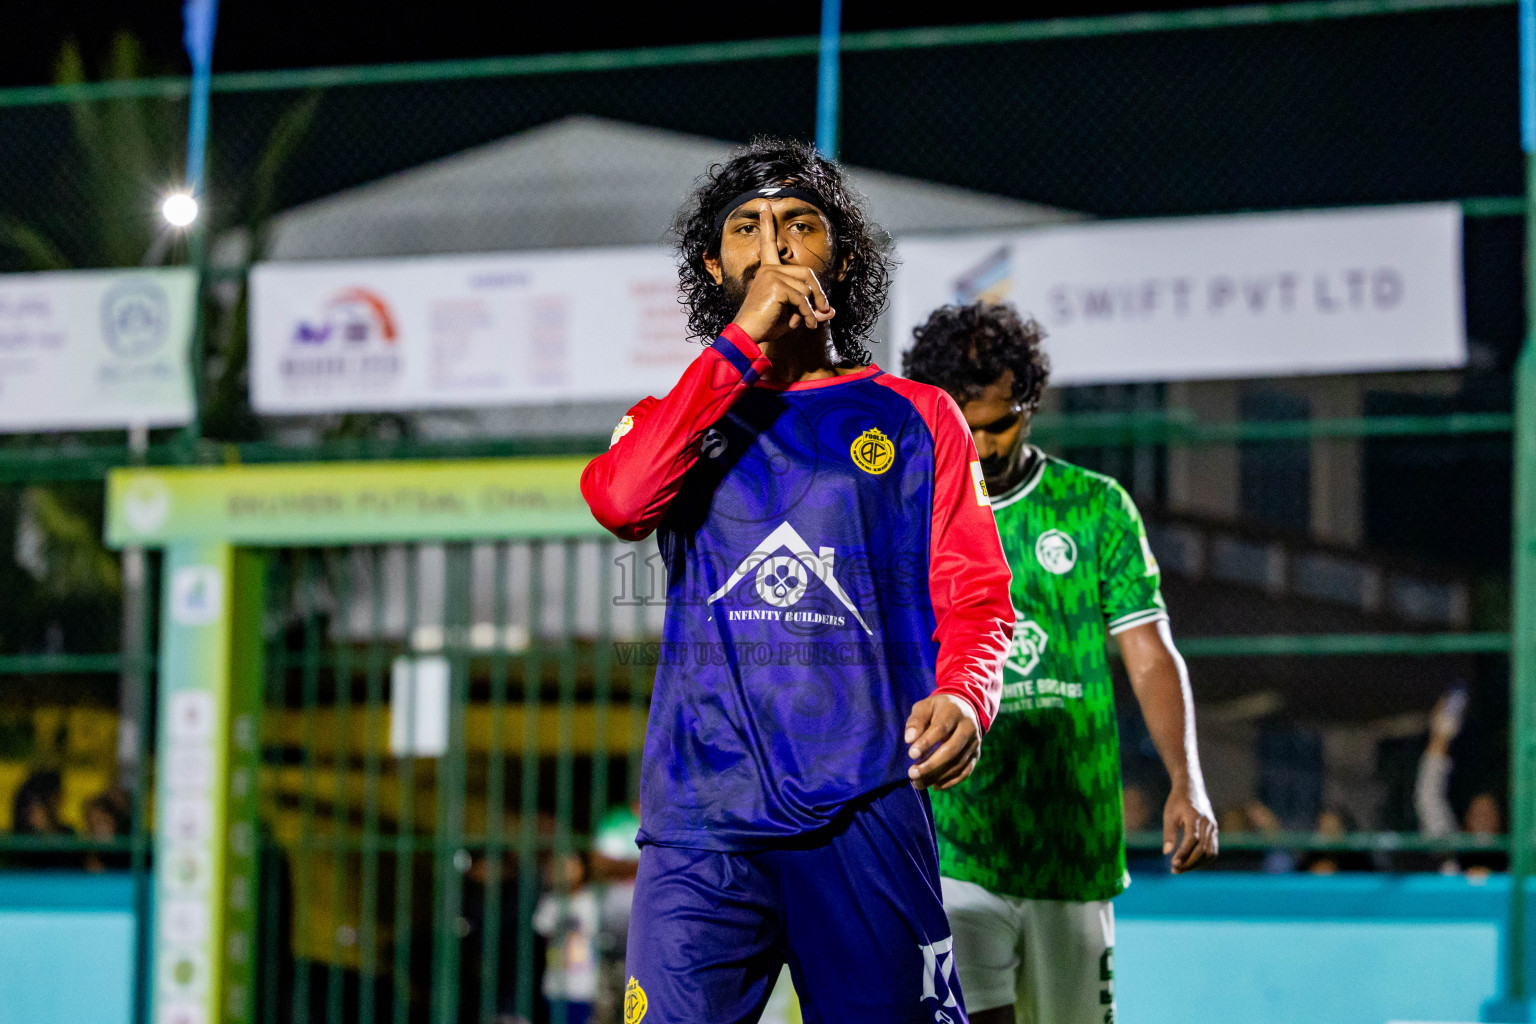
89	349
457	331
1210	297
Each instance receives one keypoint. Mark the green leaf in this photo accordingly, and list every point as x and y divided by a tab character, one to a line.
37	249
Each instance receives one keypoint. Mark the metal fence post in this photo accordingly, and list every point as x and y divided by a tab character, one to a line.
1522	688
1513	1003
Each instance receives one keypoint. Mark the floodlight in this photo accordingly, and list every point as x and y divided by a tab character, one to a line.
179	209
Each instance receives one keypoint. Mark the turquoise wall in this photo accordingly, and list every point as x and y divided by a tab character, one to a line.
1348	949
66	948
1238	949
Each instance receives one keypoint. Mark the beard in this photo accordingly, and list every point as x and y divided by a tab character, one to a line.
994	468
733	292
1005	469
718	306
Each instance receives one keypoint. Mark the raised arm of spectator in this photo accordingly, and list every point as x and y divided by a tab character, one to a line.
1432	787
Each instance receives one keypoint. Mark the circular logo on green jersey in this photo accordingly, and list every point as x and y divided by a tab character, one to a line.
1056	552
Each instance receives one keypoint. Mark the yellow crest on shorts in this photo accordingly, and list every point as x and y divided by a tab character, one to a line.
872	451
635	1003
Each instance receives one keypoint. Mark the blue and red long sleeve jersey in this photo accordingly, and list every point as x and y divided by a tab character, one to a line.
831	560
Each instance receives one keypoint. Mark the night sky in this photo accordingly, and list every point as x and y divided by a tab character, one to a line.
309	33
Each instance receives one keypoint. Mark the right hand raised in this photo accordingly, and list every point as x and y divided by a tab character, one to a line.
780	298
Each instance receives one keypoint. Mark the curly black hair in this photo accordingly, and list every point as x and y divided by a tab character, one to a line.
962	349
859	297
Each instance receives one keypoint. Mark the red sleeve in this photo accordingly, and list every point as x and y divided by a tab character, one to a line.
630	486
968	575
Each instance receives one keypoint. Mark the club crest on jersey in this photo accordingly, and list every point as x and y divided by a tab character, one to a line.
635	1003
1029	642
1056	551
623	427
782	579
873	452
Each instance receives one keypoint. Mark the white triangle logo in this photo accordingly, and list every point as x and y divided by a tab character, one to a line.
788	590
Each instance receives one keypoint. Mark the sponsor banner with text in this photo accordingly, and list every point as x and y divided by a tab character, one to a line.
1251	295
95	349
349	502
466	331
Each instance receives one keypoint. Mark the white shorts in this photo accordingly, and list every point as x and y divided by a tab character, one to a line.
1053	960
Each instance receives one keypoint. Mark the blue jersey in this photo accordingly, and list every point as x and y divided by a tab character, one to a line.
832	560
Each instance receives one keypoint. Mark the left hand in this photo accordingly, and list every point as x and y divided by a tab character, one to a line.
944	739
1191	816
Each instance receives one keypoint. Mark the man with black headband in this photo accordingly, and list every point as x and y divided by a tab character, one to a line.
1031	846
837	614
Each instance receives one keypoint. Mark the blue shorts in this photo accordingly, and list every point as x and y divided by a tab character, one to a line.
854	909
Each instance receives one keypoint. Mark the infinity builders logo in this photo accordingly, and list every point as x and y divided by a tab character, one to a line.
782	580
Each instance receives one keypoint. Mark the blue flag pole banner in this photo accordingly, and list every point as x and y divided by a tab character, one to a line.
826	79
199	18
1528	75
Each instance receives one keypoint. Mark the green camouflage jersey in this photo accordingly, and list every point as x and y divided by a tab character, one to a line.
1040	818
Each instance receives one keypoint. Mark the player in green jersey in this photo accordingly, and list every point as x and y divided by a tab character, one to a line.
1032	845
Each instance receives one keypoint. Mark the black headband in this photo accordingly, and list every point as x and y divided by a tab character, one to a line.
767	192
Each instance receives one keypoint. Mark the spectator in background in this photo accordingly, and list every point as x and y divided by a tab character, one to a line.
1333	825
35	812
1483	820
1431	794
569	921
1251	818
108	817
35	808
501	876
1234	821
615	863
1138	812
1137	807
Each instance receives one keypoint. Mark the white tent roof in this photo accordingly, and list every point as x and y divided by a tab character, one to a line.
580	181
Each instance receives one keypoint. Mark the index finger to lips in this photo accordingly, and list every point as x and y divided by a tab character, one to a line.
767	238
